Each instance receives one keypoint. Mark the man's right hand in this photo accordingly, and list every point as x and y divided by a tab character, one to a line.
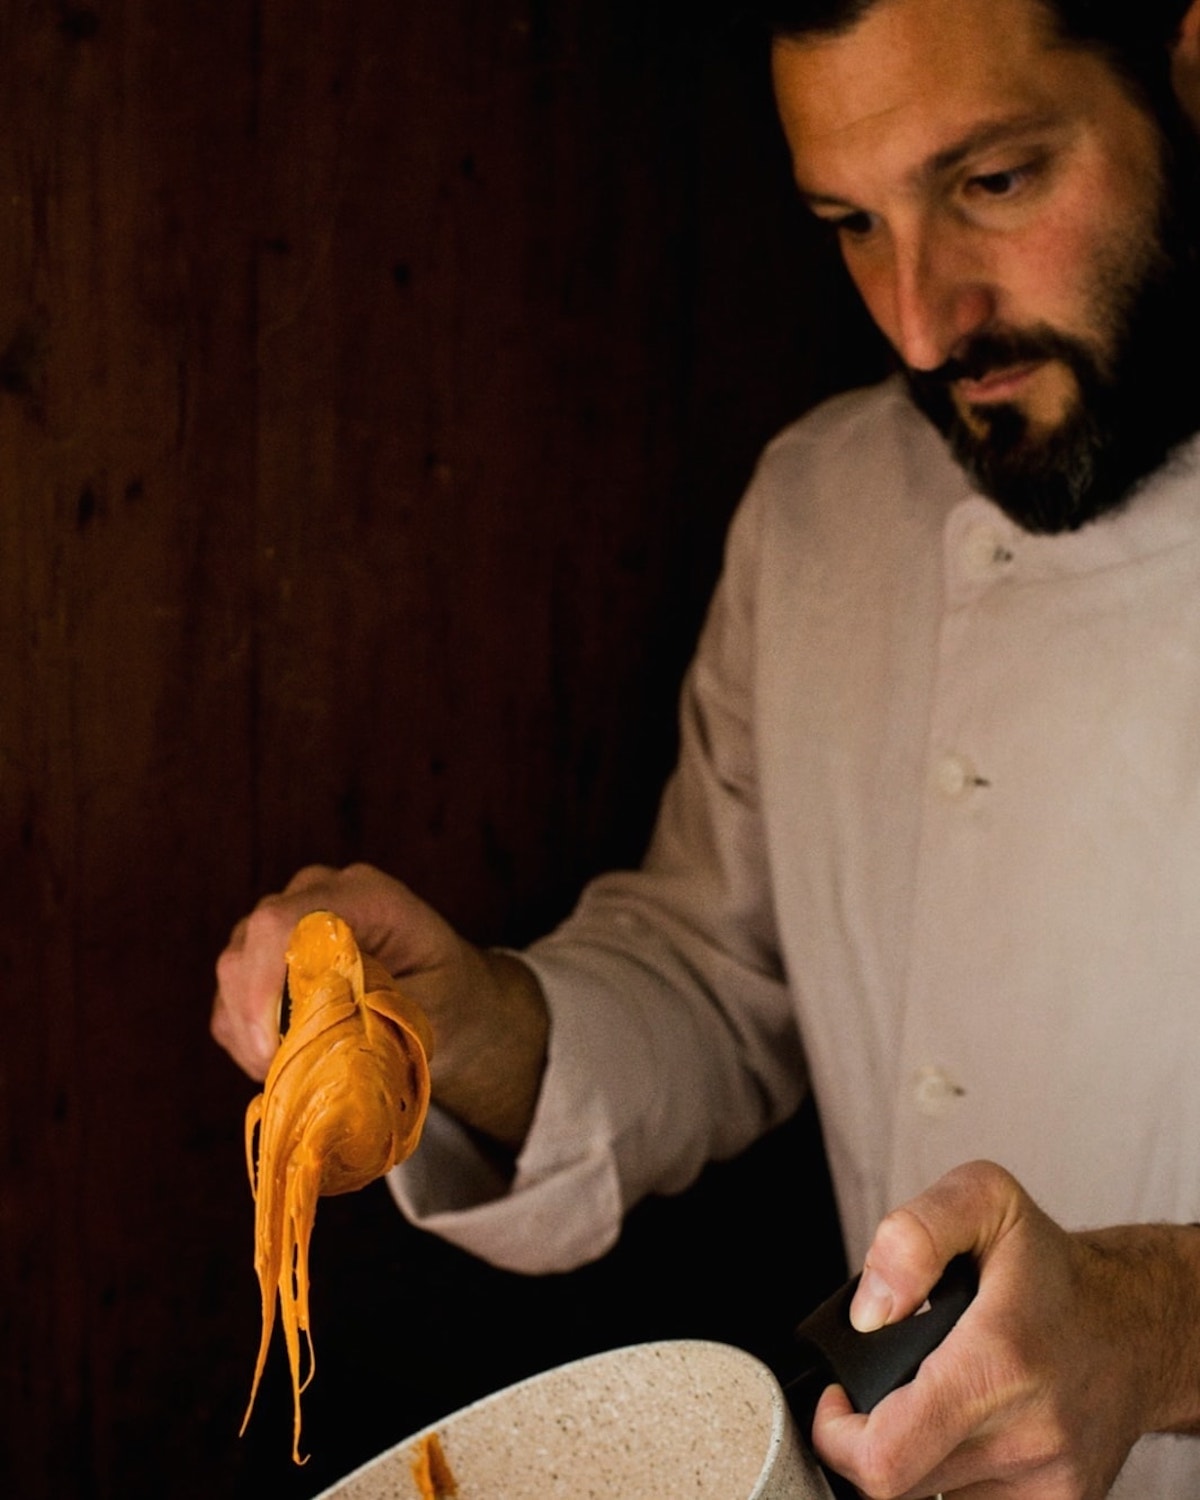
488	1015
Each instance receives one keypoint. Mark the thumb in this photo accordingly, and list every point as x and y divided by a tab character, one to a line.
967	1210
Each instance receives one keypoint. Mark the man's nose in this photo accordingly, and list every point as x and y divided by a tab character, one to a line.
937	301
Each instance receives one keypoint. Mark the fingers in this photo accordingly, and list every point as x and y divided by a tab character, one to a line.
915	1443
389	922
1024	1396
966	1211
844	1440
245	1017
486	1011
310	878
920	1439
250	971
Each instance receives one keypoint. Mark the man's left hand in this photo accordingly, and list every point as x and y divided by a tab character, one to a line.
1075	1346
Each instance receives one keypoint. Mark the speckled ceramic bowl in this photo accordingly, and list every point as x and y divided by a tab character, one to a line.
678	1420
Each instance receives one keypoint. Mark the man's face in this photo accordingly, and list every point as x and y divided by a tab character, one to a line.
1006	211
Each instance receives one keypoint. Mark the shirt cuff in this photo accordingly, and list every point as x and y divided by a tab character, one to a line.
562	1206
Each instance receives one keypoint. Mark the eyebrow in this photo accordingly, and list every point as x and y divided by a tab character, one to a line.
982	138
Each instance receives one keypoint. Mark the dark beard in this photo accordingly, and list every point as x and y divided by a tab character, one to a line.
1132	411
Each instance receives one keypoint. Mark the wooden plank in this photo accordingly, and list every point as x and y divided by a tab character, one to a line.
128	464
362	479
482	314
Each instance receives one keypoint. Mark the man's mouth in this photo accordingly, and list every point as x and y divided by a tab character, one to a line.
1004	384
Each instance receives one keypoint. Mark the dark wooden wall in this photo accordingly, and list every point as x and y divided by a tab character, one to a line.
376	381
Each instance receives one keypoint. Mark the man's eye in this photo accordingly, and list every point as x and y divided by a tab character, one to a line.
854	226
999	184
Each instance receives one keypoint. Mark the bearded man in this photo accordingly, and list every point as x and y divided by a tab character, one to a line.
932	847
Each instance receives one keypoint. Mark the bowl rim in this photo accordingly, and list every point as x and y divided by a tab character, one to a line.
621	1354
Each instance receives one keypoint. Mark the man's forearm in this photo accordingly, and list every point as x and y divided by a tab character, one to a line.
1149	1276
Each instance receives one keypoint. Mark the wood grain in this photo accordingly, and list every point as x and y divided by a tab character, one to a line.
375	384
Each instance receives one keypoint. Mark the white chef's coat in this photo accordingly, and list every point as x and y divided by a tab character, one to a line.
933	843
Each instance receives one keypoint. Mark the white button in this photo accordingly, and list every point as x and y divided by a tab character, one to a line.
986	550
955	776
935	1093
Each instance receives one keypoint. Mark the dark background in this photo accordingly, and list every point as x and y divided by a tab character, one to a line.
376	382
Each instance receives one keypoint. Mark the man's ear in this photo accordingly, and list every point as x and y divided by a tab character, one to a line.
1185	63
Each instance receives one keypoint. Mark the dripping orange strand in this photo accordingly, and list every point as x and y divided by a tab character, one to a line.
432	1471
344	1100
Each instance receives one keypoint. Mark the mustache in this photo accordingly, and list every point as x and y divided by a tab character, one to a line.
1001	349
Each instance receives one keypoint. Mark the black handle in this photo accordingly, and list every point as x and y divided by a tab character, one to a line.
870	1365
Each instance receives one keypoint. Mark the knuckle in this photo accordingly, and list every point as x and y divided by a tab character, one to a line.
880	1478
218	1026
228	967
270	924
988	1174
371	883
906	1240
1045	1436
310	875
882	1468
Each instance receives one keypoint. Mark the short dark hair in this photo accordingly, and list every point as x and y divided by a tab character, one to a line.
1108	23
807	18
1133	35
